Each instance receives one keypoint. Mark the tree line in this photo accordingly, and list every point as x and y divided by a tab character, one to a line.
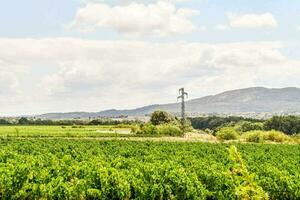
289	125
30	121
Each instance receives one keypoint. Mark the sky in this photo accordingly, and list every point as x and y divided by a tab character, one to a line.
92	55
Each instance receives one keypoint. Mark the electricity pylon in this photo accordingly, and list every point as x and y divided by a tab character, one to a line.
182	96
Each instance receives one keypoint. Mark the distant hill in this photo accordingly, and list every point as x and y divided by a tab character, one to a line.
254	100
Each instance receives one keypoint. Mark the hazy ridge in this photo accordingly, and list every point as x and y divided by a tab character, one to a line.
254	100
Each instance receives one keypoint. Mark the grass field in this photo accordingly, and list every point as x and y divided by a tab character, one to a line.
63	131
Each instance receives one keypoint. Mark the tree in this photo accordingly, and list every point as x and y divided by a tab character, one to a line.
215	123
288	124
4	122
246	126
161	117
23	121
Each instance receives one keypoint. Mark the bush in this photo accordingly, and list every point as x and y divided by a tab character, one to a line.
296	138
164	130
261	136
148	129
185	126
227	133
169	130
123	126
134	129
254	136
275	136
76	126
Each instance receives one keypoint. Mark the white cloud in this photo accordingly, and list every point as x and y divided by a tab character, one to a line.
136	19
95	75
180	1
265	20
222	27
136	1
9	71
7	82
298	28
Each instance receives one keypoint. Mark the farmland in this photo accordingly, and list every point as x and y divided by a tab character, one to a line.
63	131
85	169
113	162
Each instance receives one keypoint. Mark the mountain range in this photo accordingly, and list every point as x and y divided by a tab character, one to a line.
248	100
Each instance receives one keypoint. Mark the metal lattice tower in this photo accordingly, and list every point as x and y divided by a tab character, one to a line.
182	96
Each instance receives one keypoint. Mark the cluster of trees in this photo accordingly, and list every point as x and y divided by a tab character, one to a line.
162	117
289	125
27	121
4	122
214	123
165	124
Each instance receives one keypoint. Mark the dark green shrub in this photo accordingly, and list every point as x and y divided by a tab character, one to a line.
161	117
4	122
287	124
23	121
246	126
214	123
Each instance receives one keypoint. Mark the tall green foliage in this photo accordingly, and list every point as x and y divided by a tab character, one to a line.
287	124
84	169
214	123
261	136
81	169
161	117
4	122
227	133
246	126
245	185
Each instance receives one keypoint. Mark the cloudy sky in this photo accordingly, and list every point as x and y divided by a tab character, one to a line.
90	55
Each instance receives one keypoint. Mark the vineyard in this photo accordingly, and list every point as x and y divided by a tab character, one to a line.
84	169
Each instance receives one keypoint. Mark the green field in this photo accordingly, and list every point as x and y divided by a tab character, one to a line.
84	169
63	131
110	162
